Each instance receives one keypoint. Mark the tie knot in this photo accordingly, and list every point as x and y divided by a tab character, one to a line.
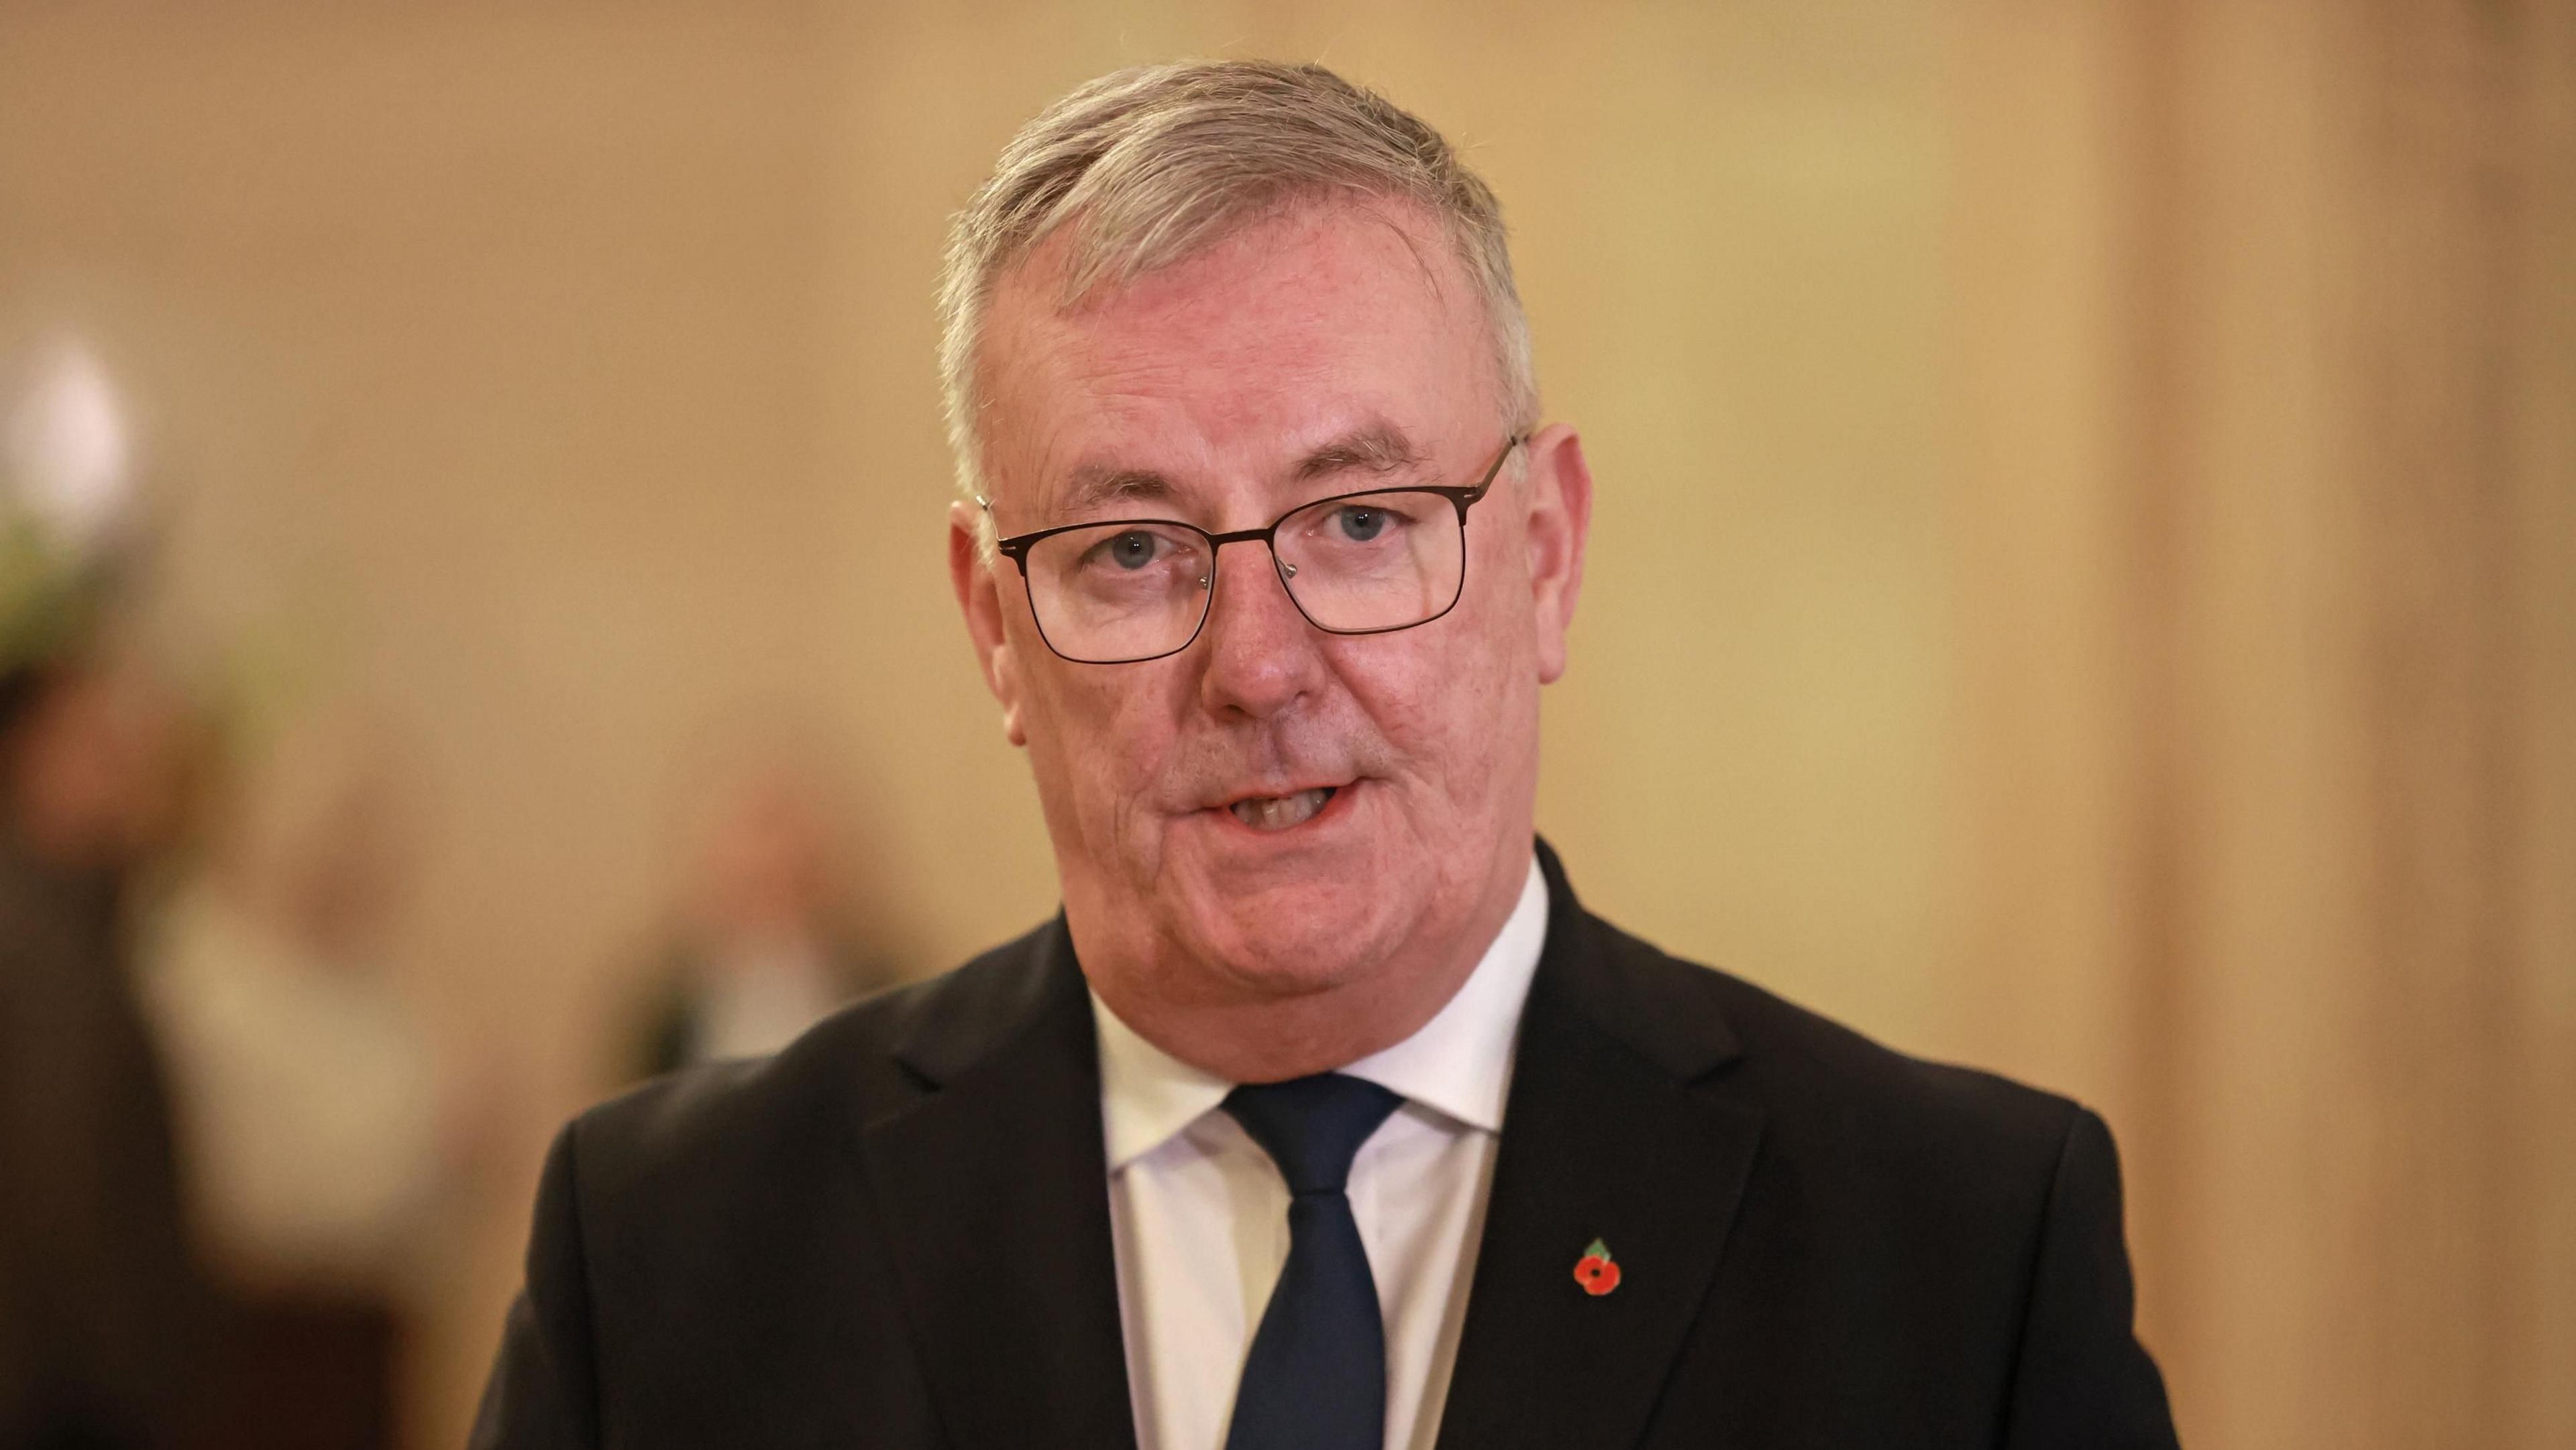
1312	1126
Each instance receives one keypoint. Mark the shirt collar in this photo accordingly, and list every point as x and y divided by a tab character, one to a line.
1459	1064
1147	1096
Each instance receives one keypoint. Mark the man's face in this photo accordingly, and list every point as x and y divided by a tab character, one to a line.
1333	349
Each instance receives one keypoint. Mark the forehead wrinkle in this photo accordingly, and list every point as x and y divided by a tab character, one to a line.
1168	344
1376	447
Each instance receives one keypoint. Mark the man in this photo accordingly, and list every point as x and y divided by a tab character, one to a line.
1324	1115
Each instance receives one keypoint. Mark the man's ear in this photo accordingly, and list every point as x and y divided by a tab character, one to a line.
979	598
1560	521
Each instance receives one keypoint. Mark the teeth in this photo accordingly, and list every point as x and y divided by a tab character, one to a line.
1279	812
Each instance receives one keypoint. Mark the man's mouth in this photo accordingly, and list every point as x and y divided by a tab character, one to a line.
1279	812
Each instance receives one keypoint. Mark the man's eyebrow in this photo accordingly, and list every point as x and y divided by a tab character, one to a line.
1093	485
1378	448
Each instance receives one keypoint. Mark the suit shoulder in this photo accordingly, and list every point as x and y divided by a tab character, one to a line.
1811	1071
758	1113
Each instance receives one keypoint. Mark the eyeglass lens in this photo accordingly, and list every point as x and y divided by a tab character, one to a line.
1131	591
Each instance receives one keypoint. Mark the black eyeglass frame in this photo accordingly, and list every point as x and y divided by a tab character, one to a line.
1016	549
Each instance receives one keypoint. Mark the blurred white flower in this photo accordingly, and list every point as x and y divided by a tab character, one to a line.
68	452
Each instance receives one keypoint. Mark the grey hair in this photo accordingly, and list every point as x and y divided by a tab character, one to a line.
1152	165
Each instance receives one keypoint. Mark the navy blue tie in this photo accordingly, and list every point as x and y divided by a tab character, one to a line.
1316	1376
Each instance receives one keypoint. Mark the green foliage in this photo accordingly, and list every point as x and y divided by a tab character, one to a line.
45	594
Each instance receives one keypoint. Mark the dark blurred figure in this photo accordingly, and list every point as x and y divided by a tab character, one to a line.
100	1306
768	942
321	1135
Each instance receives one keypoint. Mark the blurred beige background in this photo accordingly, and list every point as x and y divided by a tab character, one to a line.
2084	581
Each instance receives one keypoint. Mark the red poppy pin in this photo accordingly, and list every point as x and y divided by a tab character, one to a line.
1595	1272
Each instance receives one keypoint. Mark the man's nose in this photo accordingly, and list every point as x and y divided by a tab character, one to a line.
1262	655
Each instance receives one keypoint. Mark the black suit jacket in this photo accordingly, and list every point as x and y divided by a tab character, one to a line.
896	1234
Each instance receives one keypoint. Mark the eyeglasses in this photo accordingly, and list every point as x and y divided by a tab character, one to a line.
1124	590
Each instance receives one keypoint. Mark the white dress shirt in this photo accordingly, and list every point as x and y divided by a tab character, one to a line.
1198	1213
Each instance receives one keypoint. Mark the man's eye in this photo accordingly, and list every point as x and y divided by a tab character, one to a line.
1360	524
1132	550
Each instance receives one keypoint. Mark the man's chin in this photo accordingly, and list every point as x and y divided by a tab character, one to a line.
1289	943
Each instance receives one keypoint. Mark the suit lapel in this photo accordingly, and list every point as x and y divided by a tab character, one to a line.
1602	1139
996	1186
